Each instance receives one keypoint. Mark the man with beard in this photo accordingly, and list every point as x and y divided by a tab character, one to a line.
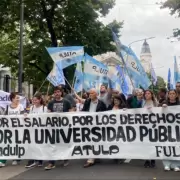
59	104
105	95
68	96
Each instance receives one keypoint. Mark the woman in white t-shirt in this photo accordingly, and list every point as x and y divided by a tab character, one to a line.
15	108
149	102
37	107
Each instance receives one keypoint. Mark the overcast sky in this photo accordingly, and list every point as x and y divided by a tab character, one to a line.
143	19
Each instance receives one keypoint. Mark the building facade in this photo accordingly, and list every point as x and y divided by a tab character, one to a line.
5	79
10	84
109	58
146	57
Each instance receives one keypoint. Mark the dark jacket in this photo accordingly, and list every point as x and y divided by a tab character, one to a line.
100	106
132	102
161	102
171	104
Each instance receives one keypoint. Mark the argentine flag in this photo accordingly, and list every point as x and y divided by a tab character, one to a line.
66	56
169	85
132	64
56	76
123	81
78	85
153	76
176	72
95	73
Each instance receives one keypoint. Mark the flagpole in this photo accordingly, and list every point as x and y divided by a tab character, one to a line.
74	77
152	78
83	79
126	68
40	86
73	84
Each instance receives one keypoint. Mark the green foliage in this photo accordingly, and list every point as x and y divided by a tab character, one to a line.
52	23
174	6
160	84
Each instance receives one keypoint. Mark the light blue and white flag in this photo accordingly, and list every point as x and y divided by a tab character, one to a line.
176	72
112	74
95	73
123	81
132	64
56	76
78	85
66	56
169	85
153	76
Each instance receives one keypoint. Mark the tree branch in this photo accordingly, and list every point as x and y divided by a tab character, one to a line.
34	65
49	21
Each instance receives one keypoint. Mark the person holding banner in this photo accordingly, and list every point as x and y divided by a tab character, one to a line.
15	108
149	102
119	102
37	107
172	100
162	96
59	104
93	104
134	101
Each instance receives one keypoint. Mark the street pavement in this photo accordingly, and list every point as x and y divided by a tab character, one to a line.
105	170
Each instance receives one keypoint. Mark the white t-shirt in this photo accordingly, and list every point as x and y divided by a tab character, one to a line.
37	110
79	107
15	111
149	104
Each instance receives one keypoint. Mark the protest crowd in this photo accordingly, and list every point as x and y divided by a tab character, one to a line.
97	91
67	100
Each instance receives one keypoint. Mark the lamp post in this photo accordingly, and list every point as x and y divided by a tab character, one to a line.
140	40
20	78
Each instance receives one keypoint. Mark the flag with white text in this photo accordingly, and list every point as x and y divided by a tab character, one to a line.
66	56
95	73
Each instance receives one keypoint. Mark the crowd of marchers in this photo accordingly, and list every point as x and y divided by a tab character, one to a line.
105	99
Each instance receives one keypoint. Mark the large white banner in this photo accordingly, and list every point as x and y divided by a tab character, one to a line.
132	134
4	99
